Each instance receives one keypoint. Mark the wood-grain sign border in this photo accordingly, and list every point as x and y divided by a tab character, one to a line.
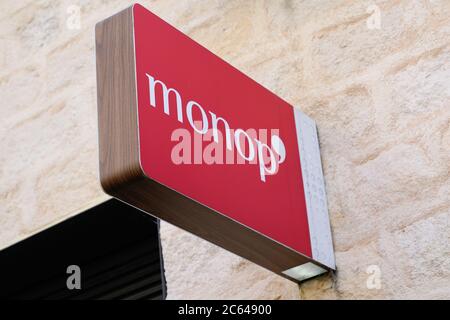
123	177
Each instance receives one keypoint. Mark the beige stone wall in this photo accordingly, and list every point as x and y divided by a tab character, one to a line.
381	98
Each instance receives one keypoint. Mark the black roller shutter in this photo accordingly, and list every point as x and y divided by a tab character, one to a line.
117	248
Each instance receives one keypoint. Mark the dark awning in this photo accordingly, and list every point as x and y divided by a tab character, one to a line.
116	246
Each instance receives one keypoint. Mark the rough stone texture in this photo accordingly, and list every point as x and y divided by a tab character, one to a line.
381	98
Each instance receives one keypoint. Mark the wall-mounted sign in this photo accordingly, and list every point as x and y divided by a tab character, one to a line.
189	139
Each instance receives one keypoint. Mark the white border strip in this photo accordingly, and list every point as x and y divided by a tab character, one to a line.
314	186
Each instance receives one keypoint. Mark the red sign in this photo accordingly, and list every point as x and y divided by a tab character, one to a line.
212	136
